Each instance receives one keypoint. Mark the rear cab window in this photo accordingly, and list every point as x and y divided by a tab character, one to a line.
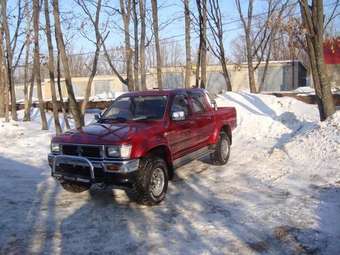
181	103
199	103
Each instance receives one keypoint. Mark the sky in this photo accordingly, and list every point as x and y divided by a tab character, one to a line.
170	13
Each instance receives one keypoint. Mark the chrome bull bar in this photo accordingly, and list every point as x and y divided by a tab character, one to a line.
72	160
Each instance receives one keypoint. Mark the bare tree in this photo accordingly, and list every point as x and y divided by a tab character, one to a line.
187	21
202	51
36	14
125	9
259	36
142	44
247	23
313	23
136	45
28	41
51	67
29	99
95	22
155	27
9	56
74	107
216	27
2	69
6	94
63	104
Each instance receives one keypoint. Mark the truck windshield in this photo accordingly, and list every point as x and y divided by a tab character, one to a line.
136	108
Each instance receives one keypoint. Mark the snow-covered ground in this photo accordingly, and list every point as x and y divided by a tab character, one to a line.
279	193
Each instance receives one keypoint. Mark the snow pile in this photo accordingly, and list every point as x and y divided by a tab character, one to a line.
284	131
321	143
305	89
269	118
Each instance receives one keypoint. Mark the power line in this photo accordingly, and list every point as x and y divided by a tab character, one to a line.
236	20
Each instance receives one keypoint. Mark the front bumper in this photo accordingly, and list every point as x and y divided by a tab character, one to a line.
81	169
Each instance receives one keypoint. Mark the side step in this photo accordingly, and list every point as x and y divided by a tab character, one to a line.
198	154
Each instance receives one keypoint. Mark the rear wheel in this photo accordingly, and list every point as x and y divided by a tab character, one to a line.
222	150
151	182
75	187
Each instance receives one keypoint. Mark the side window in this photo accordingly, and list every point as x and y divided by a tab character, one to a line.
180	103
198	103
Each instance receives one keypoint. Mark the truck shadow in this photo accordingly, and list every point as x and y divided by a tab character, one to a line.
27	208
203	213
194	219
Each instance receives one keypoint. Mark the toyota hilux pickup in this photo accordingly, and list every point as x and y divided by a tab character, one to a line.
140	140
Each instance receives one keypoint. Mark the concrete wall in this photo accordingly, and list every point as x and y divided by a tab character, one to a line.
280	76
102	86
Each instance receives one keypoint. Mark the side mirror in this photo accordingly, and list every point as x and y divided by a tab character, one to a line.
97	116
177	116
214	104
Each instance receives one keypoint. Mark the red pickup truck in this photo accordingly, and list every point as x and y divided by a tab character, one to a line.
140	139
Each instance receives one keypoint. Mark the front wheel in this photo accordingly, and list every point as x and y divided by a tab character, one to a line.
222	150
151	182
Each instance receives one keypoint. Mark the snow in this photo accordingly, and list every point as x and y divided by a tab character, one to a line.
306	90
279	193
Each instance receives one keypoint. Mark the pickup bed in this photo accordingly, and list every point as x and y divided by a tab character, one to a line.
139	141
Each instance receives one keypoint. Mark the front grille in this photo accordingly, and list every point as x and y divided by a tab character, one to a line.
83	150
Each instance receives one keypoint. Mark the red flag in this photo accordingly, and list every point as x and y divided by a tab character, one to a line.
331	50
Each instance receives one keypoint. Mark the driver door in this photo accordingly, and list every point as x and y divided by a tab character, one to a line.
179	134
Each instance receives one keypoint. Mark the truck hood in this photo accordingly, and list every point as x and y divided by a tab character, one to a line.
103	133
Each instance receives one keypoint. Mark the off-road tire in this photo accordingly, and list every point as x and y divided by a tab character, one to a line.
218	157
141	188
75	187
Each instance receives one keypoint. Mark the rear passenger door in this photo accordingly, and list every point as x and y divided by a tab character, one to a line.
203	122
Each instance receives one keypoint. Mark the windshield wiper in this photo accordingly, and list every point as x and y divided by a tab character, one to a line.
145	118
120	119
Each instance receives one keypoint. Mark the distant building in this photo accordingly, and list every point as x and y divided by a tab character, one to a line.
331	50
281	76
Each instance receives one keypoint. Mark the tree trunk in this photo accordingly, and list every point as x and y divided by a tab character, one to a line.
157	45
265	70
251	73
51	68
74	107
136	52
95	60
198	65
63	105
313	20
28	104
2	80
247	24
26	73
9	58
187	44
36	14
126	14
204	45
142	44
6	95
27	55
226	75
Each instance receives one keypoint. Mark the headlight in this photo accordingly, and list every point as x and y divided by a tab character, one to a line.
119	151
55	147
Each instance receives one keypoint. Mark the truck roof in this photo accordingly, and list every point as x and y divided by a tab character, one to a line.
164	92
